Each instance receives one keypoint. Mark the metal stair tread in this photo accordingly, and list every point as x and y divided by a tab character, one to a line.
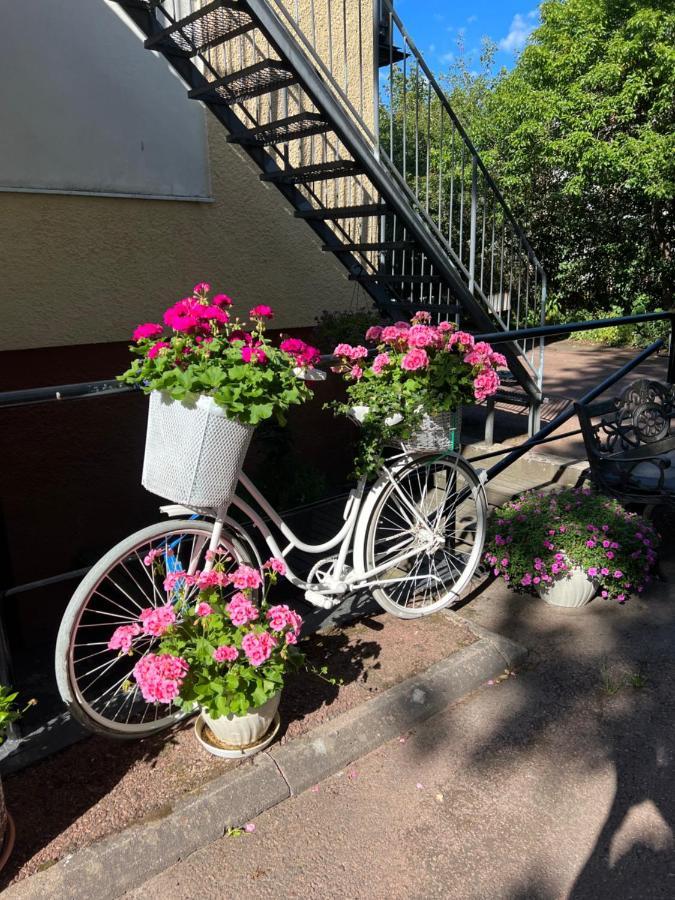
292	128
344	212
214	23
261	78
339	168
393	278
374	246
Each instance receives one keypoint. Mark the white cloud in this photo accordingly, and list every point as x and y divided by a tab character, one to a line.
448	58
520	30
471	20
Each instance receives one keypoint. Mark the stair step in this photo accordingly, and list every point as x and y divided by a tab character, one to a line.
294	127
213	24
381	246
339	168
253	81
344	212
386	278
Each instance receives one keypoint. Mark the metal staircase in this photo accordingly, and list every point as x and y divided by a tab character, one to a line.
340	112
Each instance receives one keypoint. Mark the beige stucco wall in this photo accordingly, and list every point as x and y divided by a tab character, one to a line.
87	269
79	269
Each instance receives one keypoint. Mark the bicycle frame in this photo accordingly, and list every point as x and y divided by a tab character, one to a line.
339	582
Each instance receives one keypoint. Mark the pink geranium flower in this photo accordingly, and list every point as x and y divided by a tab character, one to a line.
258	647
415	359
203	287
253	355
225	653
122	637
203	609
154	351
261	312
380	362
241	610
221	300
373	333
245	577
274	564
156	620
160	676
149	330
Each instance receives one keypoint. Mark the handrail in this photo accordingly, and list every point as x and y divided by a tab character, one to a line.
566	414
111	387
499	337
465	137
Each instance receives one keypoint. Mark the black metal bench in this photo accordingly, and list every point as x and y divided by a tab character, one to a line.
630	444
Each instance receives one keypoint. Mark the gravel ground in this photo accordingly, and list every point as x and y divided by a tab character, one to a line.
100	786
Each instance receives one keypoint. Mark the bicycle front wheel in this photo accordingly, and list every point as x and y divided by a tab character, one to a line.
424	534
96	683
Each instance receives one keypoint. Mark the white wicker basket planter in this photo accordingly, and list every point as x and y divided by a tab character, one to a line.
193	451
574	590
437	432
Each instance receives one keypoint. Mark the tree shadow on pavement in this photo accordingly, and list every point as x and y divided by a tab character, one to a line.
593	704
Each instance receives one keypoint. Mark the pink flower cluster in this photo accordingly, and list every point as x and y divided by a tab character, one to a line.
192	315
418	342
225	653
351	353
281	617
258	647
278	566
203	609
245	577
304	354
122	637
261	312
156	620
241	610
159	676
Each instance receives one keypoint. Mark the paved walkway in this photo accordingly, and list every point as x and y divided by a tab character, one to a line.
556	783
571	369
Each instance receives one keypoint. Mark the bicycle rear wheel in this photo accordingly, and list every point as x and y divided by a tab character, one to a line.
433	513
97	683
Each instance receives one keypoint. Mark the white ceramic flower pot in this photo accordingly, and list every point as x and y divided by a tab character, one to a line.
574	589
242	731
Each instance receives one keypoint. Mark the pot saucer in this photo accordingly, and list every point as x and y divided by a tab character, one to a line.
212	745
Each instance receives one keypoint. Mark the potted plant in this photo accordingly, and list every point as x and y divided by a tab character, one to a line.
8	713
570	544
412	387
222	647
212	377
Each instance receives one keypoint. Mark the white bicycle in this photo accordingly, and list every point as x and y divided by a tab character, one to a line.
414	539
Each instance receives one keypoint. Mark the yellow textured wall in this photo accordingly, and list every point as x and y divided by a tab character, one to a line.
88	269
79	269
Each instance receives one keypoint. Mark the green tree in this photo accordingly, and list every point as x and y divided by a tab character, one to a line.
580	137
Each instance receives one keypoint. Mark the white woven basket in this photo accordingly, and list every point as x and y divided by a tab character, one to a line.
193	452
437	432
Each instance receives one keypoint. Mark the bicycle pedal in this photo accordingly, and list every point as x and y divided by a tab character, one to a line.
323	601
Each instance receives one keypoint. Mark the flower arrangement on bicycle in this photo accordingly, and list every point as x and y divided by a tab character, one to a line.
213	377
419	369
219	643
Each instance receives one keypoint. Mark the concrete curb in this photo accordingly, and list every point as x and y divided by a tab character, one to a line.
123	861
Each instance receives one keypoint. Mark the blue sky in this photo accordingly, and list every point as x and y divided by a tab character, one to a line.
436	26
